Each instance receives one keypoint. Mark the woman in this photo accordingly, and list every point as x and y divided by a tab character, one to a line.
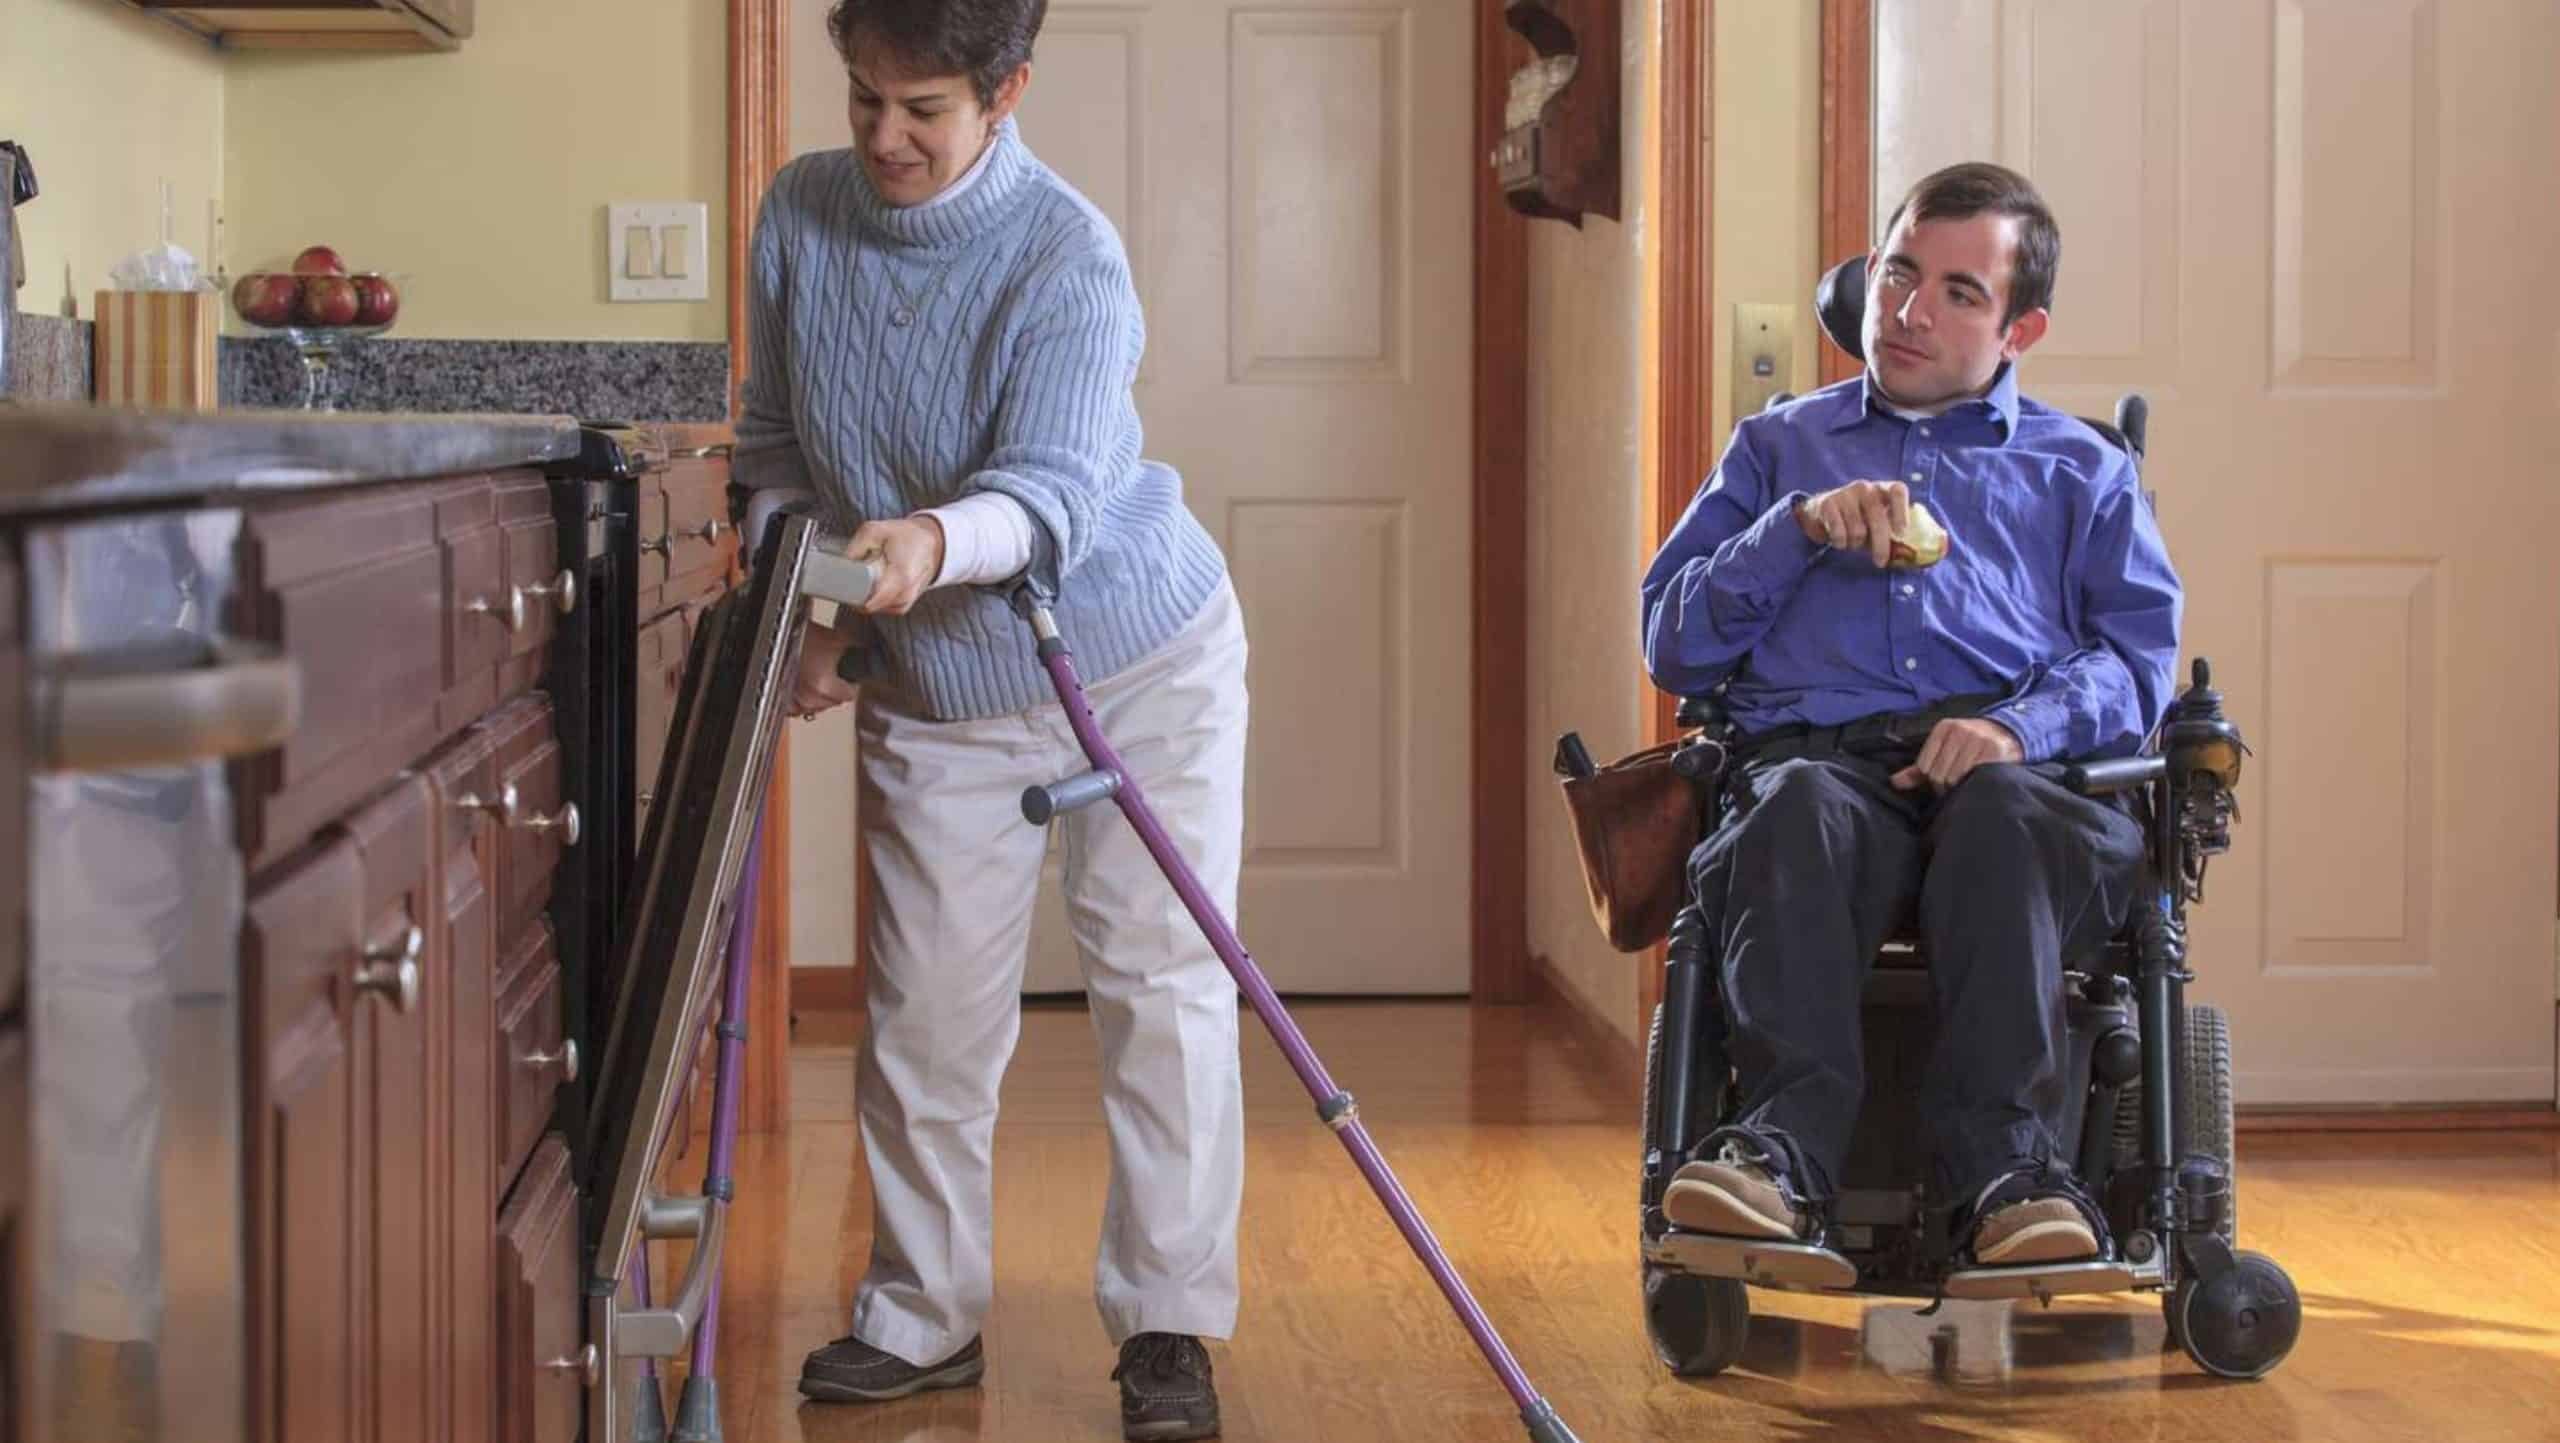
944	339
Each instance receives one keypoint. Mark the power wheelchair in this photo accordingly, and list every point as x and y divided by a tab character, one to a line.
2148	1077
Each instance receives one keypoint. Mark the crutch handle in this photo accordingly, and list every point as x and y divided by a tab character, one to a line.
1039	804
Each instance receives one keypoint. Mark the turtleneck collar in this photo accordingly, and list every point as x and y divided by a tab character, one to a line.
959	213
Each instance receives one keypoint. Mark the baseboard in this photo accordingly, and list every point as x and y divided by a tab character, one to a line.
2397	1119
825	989
1588	1032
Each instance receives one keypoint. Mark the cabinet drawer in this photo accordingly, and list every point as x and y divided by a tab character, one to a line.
541	1386
353	589
659	676
533	562
531	1061
524	748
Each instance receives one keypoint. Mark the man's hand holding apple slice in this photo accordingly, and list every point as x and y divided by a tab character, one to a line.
1878	518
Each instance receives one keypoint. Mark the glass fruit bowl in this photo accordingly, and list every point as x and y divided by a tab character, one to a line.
319	315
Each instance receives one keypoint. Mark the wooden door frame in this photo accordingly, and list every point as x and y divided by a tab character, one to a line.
1686	231
759	129
759	124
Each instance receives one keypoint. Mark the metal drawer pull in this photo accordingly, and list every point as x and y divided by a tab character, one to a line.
566	1058
502	806
562	589
392	972
665	540
107	711
586	1363
708	531
698	453
566	819
512	613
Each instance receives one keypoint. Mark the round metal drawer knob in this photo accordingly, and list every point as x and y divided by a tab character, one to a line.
586	1363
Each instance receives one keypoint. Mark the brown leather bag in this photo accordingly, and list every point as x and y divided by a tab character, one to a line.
1635	822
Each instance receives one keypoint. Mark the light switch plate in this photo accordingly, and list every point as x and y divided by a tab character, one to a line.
677	277
1764	355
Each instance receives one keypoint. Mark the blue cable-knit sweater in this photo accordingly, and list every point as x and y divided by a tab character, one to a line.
901	358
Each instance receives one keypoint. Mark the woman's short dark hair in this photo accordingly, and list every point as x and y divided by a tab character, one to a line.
1960	192
986	40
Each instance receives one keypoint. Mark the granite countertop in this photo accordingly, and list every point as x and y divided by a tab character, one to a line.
60	458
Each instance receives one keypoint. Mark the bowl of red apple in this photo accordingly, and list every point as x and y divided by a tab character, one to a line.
318	298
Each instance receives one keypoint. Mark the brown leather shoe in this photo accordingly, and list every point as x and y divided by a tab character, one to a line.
1730	1197
849	1370
1166	1392
2039	1230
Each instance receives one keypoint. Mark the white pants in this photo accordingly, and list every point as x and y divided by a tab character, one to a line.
956	872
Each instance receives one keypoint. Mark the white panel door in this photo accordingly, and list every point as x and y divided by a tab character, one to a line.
2312	231
1293	182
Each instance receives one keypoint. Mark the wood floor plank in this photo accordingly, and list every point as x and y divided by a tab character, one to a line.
2429	1264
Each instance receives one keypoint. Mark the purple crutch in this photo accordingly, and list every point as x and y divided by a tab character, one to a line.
1110	779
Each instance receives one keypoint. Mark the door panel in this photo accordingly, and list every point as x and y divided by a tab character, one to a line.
2298	226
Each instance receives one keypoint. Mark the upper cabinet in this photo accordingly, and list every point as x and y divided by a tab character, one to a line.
323	24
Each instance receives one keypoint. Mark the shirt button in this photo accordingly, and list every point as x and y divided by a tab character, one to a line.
1910	590
1915	475
1924	430
1911	663
902	317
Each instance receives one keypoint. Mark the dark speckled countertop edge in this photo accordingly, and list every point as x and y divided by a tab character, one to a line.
58	458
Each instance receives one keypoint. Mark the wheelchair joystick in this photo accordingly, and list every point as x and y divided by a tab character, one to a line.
2199	738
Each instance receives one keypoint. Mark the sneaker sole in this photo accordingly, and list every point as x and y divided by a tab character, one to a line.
962	1376
1172	1432
1704	1208
2054	1242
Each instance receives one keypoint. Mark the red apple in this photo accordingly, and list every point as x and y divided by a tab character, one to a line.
318	261
377	300
264	298
328	301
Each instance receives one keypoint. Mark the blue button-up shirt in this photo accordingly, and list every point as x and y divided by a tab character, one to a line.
2055	593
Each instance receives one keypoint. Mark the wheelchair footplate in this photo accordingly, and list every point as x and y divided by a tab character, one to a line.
2047	1281
1761	1262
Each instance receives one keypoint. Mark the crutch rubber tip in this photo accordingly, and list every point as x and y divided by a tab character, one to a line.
698	1412
1545	1426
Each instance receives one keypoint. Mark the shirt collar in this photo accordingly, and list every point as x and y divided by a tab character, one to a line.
1999	404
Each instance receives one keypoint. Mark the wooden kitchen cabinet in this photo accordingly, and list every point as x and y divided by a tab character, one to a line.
324	24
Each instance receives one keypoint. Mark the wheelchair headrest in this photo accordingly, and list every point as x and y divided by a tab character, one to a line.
1840	302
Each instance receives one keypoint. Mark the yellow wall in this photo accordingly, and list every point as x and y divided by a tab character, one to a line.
1593	404
108	103
483	173
1767	177
1589	354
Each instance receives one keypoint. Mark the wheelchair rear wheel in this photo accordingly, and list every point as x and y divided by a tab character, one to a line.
1698	1325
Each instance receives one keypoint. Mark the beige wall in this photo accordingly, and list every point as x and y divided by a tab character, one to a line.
484	172
1592	348
1589	356
1768	178
108	104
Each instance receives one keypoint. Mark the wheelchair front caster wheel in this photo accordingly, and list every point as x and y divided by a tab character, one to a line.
2239	1325
1698	1325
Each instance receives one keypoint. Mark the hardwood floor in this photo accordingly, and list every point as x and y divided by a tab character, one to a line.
2429	1264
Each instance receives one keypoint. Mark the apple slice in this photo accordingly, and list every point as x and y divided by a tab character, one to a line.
1920	542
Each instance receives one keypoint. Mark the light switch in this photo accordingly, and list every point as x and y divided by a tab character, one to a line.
655	250
1764	345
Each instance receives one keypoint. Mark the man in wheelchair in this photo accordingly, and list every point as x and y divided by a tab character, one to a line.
1898	723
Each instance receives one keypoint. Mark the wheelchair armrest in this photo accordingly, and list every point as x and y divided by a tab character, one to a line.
2119	774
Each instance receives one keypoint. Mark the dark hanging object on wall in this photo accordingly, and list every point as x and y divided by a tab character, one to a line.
1558	156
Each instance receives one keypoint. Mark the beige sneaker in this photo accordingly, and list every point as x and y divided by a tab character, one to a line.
2039	1230
1730	1197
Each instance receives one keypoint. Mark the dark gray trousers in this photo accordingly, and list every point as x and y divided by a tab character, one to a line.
2009	874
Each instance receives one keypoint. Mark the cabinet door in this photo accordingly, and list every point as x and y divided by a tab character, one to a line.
461	781
412	1133
305	1144
541	1387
